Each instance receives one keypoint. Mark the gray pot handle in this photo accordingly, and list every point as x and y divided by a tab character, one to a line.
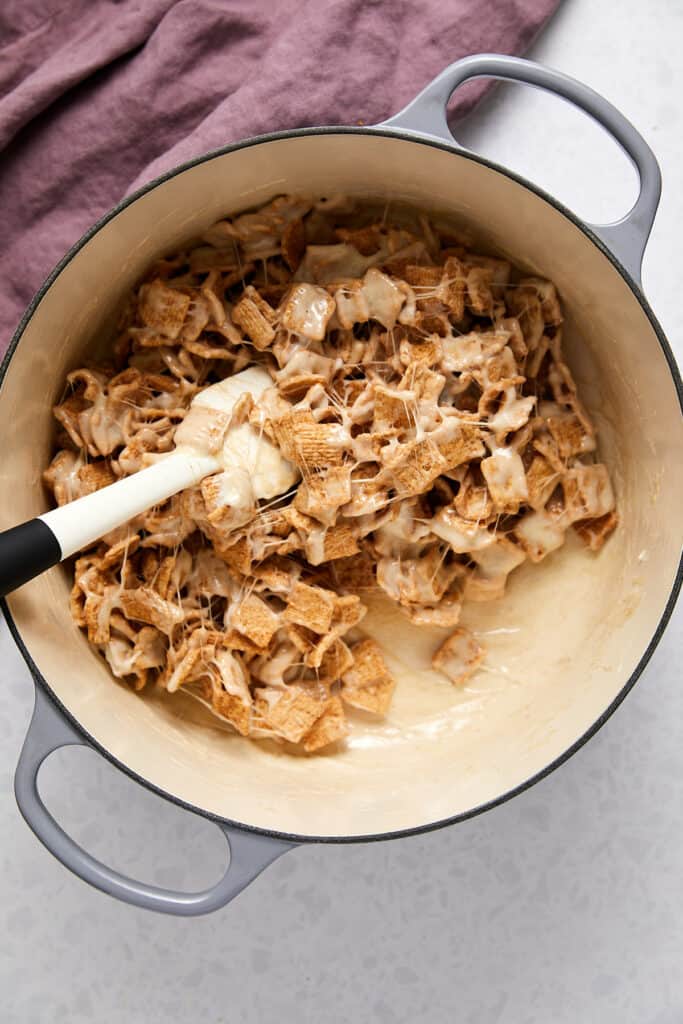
249	853
426	116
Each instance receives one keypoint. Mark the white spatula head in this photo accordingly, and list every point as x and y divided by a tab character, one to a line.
253	467
245	464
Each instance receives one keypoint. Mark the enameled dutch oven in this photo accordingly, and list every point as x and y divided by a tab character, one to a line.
565	645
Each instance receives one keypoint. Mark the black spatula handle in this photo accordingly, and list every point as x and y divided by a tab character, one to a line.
25	552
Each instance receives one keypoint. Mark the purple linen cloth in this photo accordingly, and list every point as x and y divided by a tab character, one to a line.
99	96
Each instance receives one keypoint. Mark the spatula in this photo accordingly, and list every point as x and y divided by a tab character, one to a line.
248	459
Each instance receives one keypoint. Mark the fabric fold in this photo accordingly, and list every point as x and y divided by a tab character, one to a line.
99	96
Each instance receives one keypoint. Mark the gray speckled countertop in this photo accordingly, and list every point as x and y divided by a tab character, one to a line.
560	907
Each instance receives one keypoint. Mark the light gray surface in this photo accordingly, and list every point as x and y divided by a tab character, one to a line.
561	907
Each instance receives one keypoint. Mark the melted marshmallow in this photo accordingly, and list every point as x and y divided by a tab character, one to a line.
253	467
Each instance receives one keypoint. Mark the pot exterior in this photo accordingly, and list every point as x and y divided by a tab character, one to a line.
575	634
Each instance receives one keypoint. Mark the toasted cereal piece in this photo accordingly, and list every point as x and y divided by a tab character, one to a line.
499	269
506	480
95	475
209	349
206	573
121	658
538	534
336	661
479	295
527	309
313	543
368	684
207	427
168	524
237	641
296	387
304	639
499	558
339	541
312	607
238	556
546	293
473	500
278	522
299	520
397	267
228	666
570	435
368	494
294	243
562	383
234	708
255	316
144	605
512	412
292	711
366	240
253	618
278	577
588	492
545	444
428	352
150	647
149	564
306	310
392	407
97	611
329	728
281	659
444	614
452	287
180	666
465	352
348	611
426	384
356	574
520	439
77	604
60	474
351	304
594	532
467	445
309	444
536	357
432	319
498	372
162	581
463	535
299	361
321	494
367	448
422	277
119	551
421	580
198	316
162	308
541	480
414	466
459	656
516	342
384	297
88	573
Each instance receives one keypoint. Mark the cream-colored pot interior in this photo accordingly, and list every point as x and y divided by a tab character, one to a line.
563	642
